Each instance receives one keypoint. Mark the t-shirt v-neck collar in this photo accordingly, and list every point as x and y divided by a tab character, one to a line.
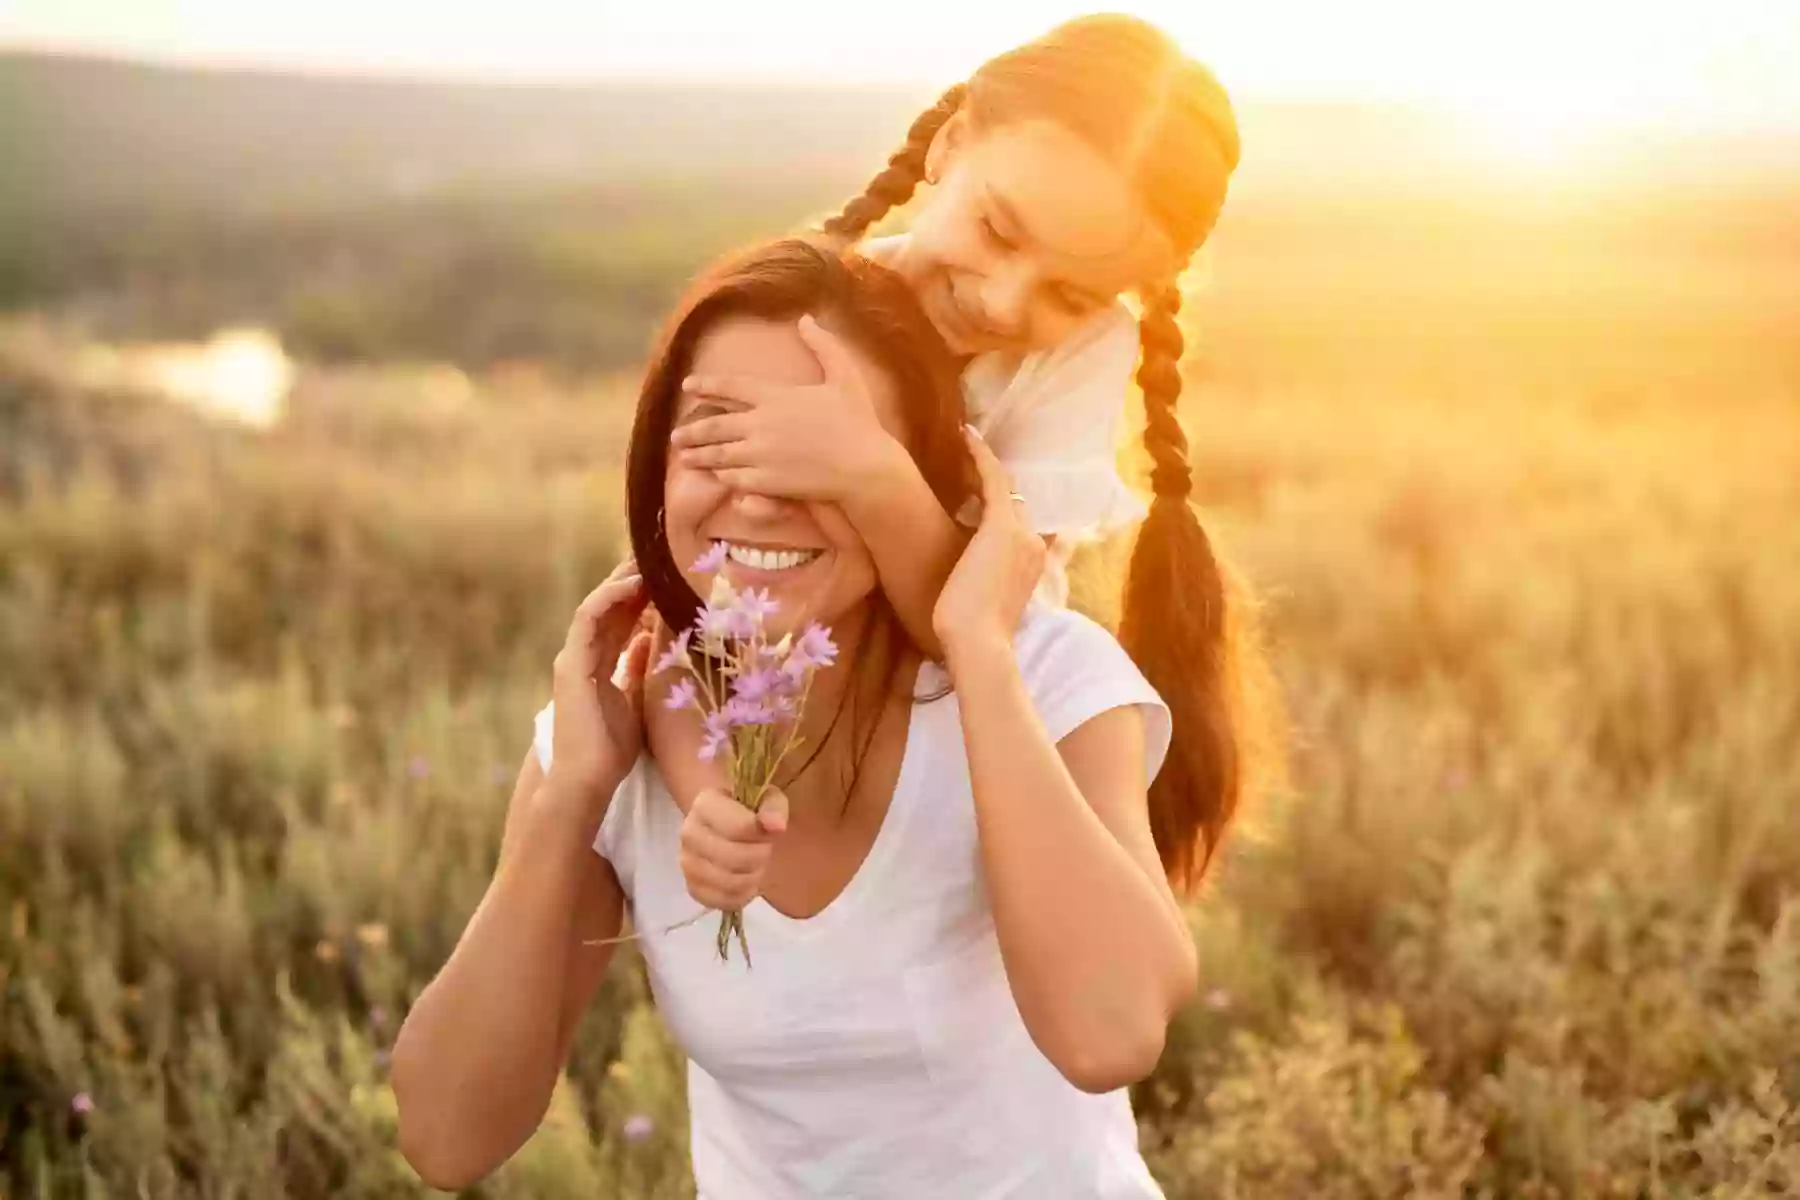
882	850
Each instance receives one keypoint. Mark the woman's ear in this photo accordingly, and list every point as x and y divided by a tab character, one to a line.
944	146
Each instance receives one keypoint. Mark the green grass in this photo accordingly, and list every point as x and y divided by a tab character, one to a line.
1527	925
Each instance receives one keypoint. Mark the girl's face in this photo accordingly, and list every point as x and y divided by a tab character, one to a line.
1028	234
806	555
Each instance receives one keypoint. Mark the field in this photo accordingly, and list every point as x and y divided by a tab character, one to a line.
1526	530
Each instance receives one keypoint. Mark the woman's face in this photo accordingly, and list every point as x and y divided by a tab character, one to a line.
806	555
1028	234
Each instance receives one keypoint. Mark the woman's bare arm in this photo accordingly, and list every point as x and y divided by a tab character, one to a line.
1096	951
480	1053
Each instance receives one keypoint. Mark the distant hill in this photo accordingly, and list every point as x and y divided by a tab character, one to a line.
365	216
81	134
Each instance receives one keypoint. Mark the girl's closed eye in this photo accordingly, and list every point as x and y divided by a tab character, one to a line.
1074	303
992	235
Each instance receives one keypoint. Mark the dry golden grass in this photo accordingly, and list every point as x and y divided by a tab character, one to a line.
1526	924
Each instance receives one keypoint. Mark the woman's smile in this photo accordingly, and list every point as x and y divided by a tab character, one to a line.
768	565
768	559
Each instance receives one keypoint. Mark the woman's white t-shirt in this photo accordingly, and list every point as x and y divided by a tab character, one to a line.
875	1050
1054	417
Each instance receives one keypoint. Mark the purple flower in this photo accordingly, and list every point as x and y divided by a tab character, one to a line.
711	561
753	607
816	644
637	1127
717	624
815	649
718	733
676	654
419	766
682	695
82	1104
740	711
756	685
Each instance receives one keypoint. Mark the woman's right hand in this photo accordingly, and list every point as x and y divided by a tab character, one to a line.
598	688
725	847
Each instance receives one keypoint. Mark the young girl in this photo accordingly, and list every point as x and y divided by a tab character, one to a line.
967	944
1086	164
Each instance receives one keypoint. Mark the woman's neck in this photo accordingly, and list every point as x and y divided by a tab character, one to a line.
846	702
851	633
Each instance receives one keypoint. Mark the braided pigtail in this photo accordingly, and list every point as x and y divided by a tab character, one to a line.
1174	623
895	184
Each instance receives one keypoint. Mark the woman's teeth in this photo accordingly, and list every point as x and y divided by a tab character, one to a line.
768	560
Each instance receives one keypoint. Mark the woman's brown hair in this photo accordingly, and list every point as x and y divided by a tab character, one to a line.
1128	90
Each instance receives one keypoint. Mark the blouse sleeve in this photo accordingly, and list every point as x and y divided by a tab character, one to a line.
1058	431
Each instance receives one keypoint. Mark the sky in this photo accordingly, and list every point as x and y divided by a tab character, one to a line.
1527	65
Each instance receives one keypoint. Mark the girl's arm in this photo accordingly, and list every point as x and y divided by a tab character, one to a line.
1096	950
913	541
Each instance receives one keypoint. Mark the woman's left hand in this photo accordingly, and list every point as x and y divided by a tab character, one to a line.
818	441
986	594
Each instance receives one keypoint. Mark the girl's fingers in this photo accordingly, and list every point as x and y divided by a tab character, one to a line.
835	358
719	456
750	479
739	389
707	431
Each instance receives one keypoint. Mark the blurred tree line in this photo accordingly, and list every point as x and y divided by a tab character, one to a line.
575	278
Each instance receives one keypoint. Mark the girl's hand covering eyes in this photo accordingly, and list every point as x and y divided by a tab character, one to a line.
820	442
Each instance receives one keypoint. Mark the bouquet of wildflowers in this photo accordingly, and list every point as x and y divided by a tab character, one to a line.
749	692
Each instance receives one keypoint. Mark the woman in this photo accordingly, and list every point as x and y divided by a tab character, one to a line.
967	945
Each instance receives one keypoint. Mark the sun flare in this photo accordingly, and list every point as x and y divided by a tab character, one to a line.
1540	129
